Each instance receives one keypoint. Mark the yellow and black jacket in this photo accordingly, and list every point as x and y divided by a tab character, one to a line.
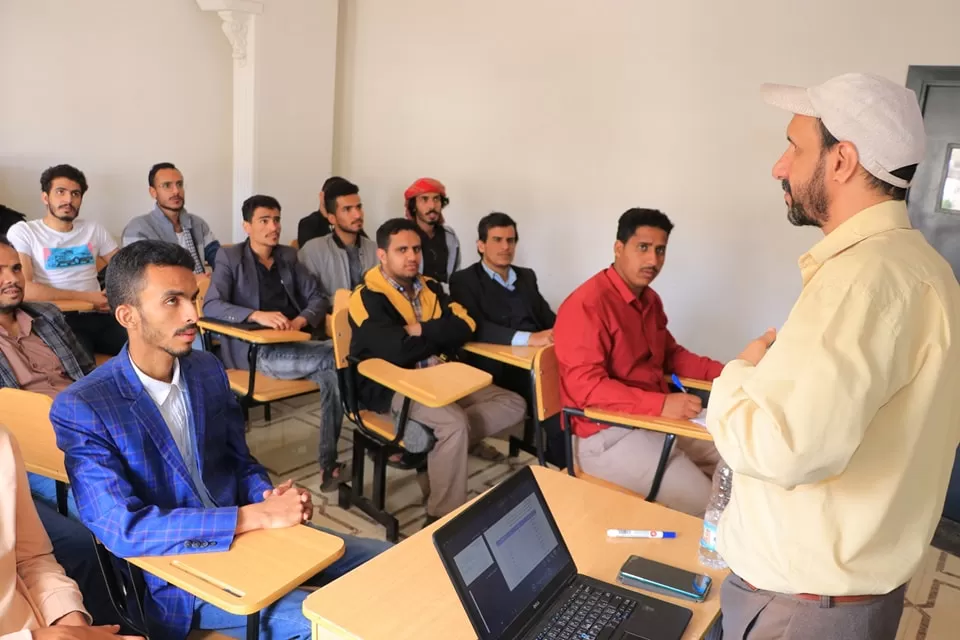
378	315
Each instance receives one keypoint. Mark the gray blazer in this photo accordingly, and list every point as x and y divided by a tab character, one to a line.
156	226
234	293
326	259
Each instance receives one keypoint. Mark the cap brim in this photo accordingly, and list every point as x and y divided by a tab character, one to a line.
790	98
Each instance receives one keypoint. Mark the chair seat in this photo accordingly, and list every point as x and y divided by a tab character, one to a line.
380	424
267	389
600	482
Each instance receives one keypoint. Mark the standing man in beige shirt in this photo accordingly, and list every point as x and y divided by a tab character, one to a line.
842	434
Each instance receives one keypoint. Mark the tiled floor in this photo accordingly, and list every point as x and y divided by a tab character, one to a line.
287	447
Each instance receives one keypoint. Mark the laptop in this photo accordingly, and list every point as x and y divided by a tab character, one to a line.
517	581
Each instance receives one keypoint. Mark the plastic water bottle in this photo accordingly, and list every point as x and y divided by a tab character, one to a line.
719	497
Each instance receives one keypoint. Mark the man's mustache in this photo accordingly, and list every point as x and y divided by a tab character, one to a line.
187	328
13	287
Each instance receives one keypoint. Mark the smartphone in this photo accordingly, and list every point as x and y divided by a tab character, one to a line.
649	575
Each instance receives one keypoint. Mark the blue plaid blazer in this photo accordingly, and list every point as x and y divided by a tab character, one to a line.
134	491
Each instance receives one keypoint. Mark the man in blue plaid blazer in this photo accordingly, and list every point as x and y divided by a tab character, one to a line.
154	447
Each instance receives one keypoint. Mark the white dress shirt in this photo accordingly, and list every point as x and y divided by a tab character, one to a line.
172	401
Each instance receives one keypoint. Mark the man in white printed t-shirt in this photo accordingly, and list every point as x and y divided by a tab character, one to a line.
59	256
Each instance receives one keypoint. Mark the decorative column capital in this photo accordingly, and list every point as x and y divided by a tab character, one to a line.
235	15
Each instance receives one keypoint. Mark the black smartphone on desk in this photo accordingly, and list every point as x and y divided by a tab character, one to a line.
649	575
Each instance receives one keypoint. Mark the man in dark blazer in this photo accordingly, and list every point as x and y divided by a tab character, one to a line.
154	446
506	303
261	281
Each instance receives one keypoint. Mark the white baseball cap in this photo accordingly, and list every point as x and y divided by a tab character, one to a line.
881	118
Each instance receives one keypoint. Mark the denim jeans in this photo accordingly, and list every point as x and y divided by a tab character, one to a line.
74	551
284	619
312	360
44	490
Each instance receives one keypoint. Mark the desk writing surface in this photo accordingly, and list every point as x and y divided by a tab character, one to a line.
261	566
435	386
67	306
259	336
684	428
405	594
521	357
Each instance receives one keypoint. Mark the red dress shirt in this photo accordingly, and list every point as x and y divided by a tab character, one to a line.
614	348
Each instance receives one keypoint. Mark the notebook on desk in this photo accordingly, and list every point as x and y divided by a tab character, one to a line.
701	418
516	579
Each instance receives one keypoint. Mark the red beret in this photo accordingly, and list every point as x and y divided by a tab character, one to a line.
424	185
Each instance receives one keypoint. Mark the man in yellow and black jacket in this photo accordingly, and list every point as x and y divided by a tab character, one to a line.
405	318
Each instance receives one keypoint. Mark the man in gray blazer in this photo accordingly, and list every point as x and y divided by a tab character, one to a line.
261	281
169	220
339	259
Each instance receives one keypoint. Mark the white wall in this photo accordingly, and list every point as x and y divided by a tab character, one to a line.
113	86
565	113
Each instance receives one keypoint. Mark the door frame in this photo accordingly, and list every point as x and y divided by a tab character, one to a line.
920	78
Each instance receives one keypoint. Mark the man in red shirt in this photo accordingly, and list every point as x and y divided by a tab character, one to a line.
614	348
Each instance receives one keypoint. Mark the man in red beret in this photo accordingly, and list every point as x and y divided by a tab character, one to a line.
426	199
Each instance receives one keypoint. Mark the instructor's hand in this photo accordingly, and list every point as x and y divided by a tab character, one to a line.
754	352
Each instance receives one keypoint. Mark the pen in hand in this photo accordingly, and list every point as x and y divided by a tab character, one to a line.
678	384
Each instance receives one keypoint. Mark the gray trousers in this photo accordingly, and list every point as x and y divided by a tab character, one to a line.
629	458
457	427
765	615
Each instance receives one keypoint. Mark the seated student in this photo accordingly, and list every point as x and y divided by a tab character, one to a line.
169	221
316	224
38	352
155	450
36	593
508	308
406	319
59	256
261	281
613	348
339	260
425	201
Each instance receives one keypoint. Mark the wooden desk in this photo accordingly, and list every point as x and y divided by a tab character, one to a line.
423	603
514	356
260	567
433	387
684	428
259	336
66	306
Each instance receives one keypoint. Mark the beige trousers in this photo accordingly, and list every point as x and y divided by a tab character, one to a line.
629	458
457	427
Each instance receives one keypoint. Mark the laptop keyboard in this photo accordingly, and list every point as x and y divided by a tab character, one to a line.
588	612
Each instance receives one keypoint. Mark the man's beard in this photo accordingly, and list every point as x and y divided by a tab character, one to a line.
810	203
54	211
153	337
424	218
178	208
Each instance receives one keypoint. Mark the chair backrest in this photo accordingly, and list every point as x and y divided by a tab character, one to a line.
27	416
341	327
547	383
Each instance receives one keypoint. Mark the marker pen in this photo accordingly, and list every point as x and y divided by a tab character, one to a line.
640	533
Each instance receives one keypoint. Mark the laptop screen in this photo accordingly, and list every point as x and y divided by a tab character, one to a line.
505	551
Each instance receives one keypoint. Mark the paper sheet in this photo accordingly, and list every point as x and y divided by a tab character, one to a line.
701	418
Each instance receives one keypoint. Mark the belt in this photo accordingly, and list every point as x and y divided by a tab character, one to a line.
826	600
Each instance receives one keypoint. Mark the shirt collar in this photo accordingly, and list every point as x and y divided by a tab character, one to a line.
158	389
511	275
185	221
880	218
621	287
24	321
417	284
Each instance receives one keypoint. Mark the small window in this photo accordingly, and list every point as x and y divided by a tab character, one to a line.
949	201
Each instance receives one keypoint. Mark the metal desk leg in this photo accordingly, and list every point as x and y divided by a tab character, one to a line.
62	506
253	626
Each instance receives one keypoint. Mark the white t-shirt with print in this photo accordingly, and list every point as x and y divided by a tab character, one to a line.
63	260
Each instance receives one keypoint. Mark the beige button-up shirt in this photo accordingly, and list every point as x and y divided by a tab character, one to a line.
34	591
843	438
